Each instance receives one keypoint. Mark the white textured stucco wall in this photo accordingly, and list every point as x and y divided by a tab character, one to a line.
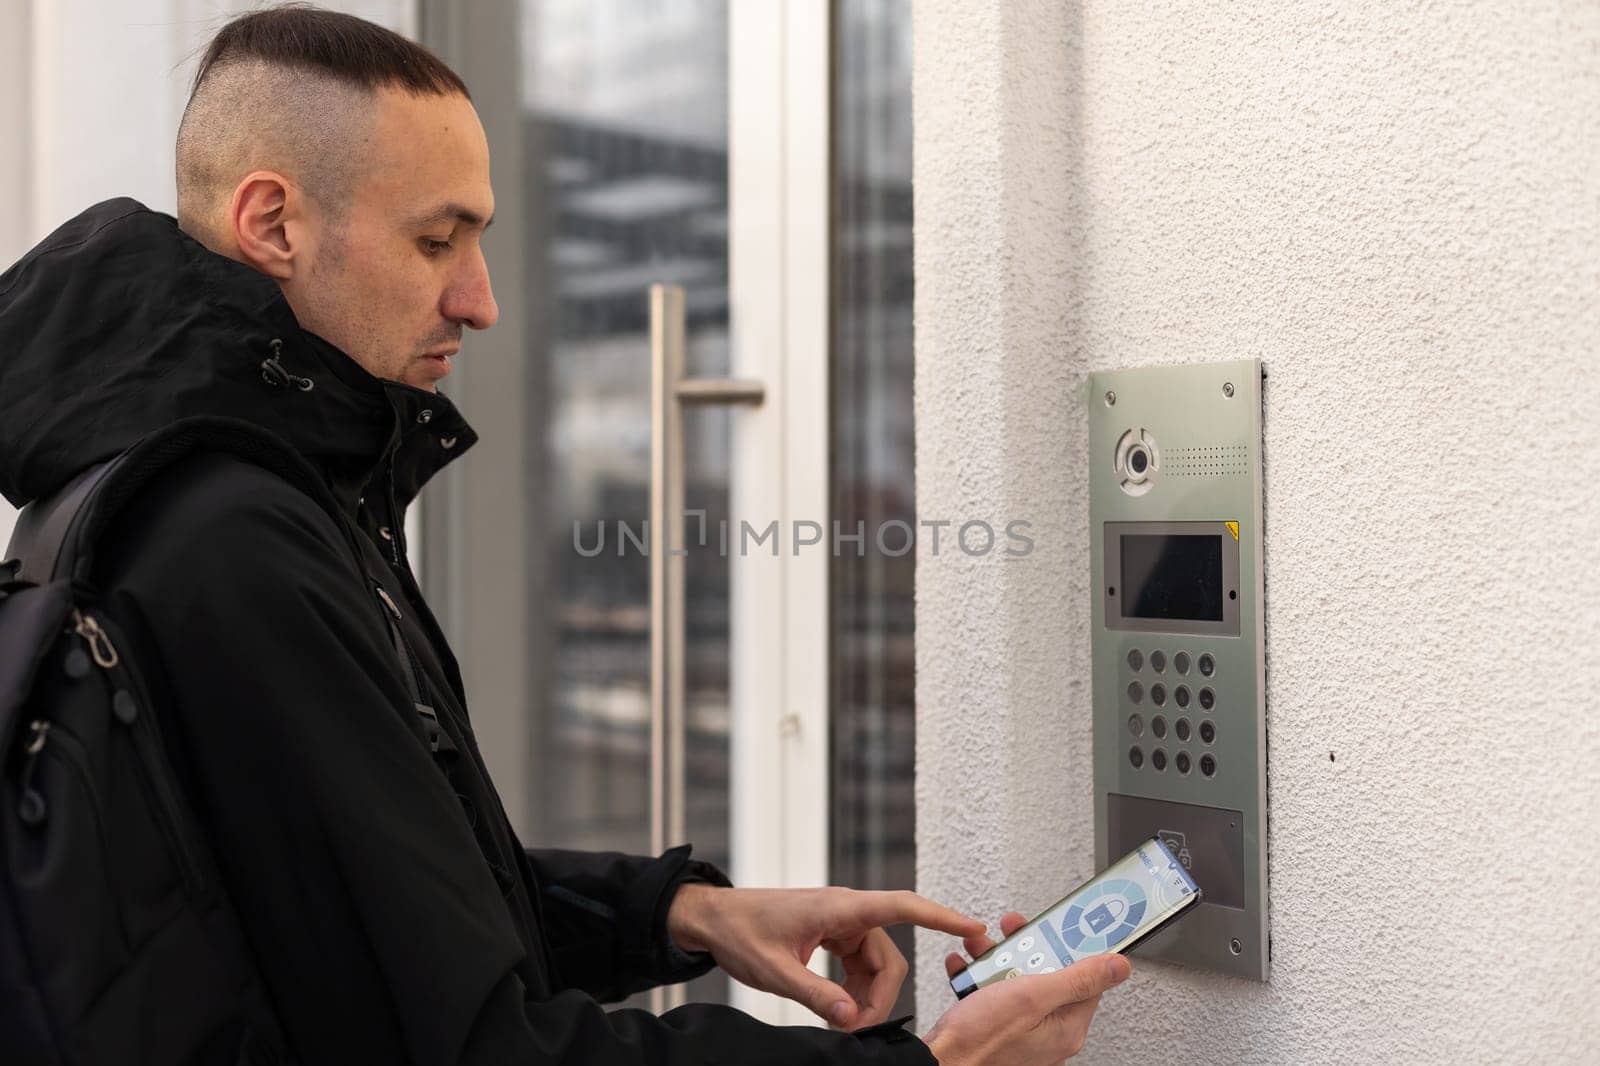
1397	207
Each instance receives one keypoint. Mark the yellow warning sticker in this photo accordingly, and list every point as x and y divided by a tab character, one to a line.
1233	527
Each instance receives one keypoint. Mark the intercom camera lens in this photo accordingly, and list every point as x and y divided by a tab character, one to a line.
1158	759
1180	695
1135	660
1208	665
1138	460
1181	727
1208	732
1158	694
1135	692
1208	765
1158	726
1181	761
1158	661
1208	699
1180	662
1136	757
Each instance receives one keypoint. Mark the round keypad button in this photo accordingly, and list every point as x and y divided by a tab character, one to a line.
1158	727
1208	665
1158	694
1208	765
1135	660
1208	699
1180	695
1136	725
1158	661
1158	759
1208	731
1180	662
1135	693
1136	757
1180	729
1181	761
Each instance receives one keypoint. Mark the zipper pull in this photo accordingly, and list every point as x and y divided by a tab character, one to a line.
99	644
388	603
31	807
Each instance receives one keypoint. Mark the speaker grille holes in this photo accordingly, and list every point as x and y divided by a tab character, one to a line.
1214	460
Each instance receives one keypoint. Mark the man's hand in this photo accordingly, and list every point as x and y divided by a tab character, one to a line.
1029	1021
763	937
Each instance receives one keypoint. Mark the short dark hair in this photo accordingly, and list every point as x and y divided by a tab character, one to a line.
349	49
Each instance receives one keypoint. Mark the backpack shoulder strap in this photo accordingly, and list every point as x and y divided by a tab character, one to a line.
55	537
42	526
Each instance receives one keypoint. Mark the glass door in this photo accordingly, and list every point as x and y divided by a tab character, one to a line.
703	263
627	109
872	667
630	694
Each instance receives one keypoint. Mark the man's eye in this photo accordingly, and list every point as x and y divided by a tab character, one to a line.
432	247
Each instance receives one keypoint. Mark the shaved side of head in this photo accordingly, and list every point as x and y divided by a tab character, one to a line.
292	90
252	115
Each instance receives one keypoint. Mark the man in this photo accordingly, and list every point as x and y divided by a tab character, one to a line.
333	189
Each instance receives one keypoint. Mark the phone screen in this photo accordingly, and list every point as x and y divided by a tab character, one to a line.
1111	912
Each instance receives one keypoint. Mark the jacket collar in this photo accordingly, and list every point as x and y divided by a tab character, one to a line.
119	323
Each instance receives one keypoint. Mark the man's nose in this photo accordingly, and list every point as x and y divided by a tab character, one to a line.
470	300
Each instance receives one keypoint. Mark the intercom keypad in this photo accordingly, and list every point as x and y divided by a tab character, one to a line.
1138	660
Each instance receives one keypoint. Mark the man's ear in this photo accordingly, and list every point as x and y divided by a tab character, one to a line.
263	208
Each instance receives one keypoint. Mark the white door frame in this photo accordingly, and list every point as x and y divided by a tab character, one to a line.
778	176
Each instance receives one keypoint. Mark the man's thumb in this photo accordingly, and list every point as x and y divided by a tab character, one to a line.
827	1000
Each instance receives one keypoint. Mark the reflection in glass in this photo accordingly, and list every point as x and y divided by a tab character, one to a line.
873	713
625	104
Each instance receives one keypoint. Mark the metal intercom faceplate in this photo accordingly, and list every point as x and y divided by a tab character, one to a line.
1178	643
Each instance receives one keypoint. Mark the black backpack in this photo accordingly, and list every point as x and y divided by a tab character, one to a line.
118	943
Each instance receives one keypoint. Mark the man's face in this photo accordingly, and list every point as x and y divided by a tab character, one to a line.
393	280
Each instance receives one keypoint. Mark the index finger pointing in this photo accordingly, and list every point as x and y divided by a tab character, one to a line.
892	908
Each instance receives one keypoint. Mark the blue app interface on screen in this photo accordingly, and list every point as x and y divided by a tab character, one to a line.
1137	892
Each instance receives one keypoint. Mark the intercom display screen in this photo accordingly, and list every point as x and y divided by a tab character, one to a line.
1110	913
1172	577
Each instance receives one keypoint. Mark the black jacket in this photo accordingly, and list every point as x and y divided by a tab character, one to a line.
393	913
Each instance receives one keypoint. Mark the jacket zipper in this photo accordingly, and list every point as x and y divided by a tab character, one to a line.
154	771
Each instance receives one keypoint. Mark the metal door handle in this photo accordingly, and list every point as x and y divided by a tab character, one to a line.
669	393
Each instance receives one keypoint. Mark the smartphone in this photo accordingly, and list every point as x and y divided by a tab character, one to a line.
1134	897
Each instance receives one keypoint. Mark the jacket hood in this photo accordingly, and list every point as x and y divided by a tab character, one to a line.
119	323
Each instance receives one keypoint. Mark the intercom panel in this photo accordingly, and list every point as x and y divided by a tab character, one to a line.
1178	643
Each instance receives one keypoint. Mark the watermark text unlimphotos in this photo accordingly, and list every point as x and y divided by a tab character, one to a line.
894	538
